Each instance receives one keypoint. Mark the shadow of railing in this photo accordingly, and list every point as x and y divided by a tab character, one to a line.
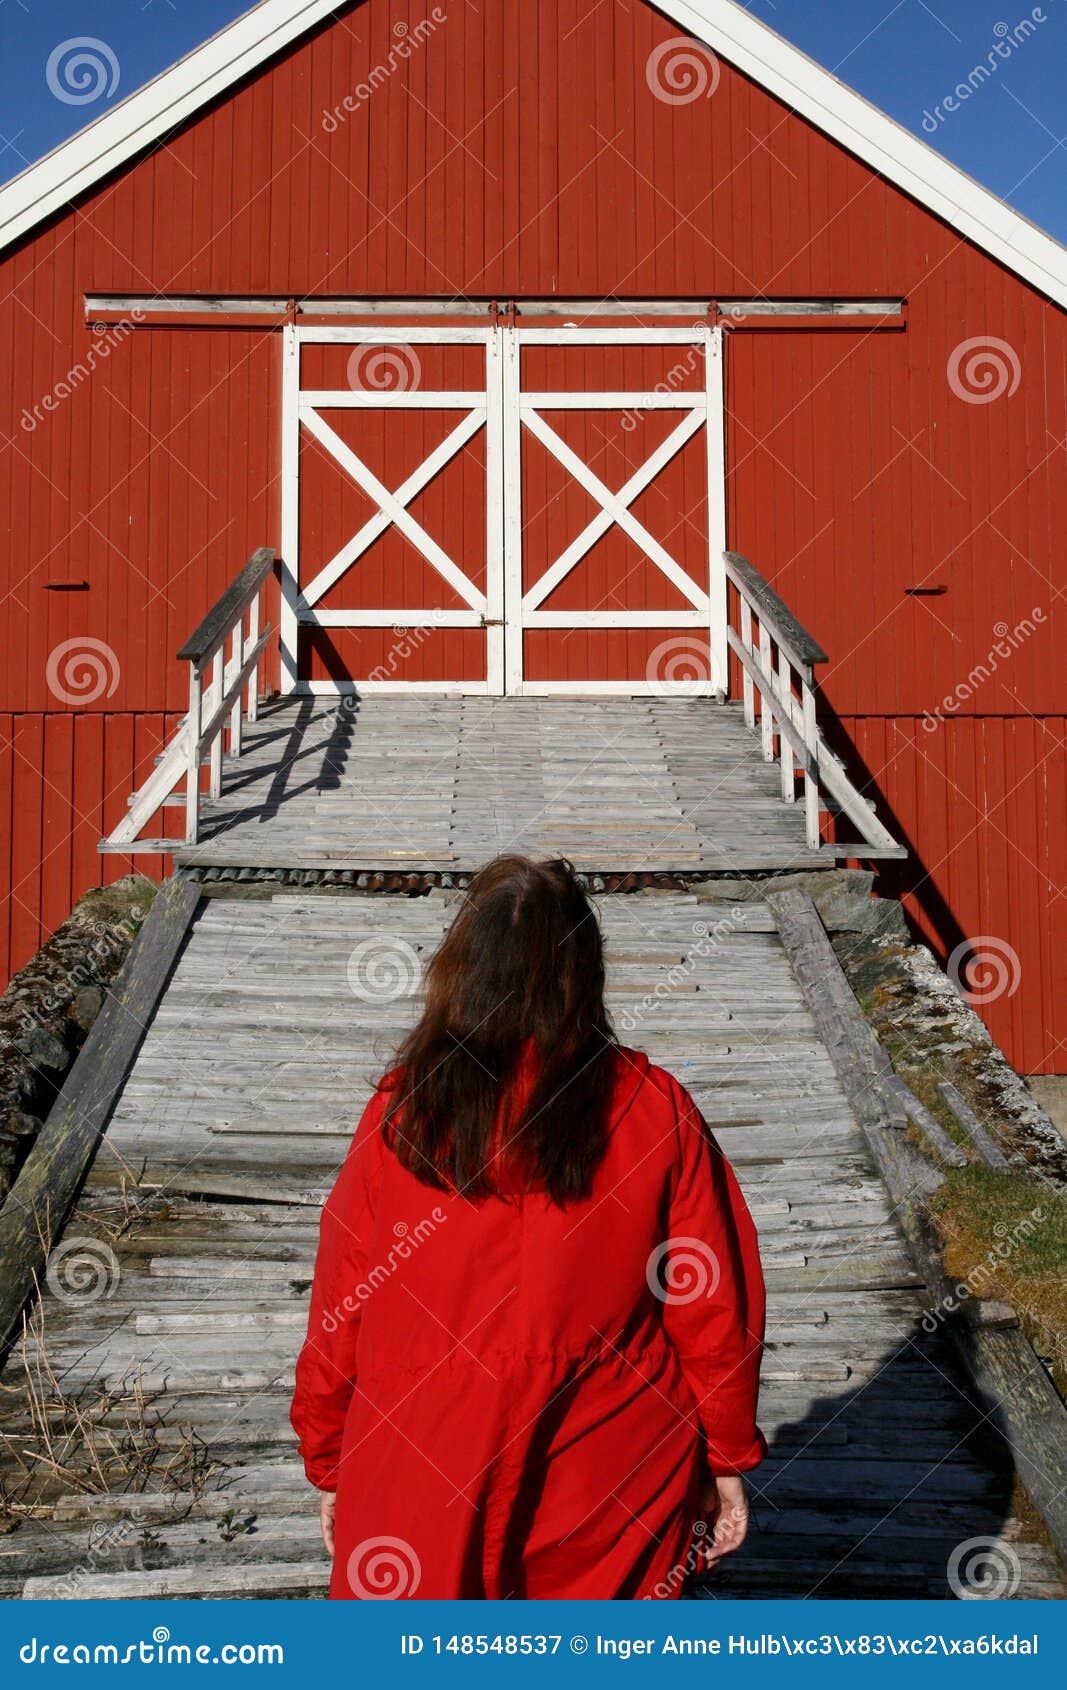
910	876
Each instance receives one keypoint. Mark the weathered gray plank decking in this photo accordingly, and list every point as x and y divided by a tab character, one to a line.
255	1067
409	782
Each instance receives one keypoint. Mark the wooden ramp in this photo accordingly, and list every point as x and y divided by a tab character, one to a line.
176	1303
442	784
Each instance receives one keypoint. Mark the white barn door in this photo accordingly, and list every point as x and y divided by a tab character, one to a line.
481	509
392	522
615	510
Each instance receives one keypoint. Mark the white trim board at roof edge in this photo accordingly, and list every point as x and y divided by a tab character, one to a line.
731	32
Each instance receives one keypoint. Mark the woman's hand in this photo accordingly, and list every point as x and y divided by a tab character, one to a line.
726	1511
327	1509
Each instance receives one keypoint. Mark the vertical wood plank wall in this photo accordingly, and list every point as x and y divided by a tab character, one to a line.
860	465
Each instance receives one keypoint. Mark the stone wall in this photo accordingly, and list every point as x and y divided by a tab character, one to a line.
51	1003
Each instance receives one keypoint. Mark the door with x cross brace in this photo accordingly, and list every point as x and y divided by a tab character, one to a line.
484	509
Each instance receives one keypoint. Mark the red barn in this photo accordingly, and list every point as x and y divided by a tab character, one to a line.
365	287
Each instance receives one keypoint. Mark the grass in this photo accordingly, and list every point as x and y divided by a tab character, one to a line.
1004	1235
95	1441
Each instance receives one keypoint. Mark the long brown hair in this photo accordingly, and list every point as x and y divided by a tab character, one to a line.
517	984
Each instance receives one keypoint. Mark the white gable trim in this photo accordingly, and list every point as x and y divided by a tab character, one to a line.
154	111
893	151
726	28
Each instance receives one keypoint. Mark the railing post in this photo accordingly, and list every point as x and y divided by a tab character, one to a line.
218	687
746	641
785	750
192	777
811	767
253	679
782	672
223	668
766	713
237	657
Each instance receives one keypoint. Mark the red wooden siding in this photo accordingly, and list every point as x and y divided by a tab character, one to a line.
63	779
519	153
982	804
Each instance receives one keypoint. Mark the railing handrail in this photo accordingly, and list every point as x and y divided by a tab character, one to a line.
773	611
219	686
778	657
211	633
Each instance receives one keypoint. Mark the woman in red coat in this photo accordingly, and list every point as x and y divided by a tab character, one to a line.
532	1357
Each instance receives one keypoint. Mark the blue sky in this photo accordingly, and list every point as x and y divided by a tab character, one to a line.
904	55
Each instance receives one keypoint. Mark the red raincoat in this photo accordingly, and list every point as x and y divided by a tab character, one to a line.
512	1399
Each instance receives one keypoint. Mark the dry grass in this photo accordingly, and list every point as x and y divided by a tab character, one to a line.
1004	1235
97	1441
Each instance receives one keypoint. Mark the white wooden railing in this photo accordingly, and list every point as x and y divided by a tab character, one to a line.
223	691
778	658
